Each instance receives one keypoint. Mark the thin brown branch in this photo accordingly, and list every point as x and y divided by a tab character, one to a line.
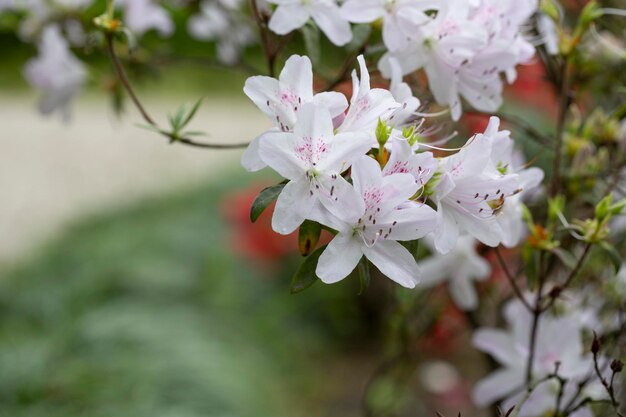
121	75
573	273
266	42
512	281
560	128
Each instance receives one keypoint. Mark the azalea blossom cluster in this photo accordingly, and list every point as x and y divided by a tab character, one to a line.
363	170
468	48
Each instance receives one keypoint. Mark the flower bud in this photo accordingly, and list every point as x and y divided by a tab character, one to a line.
617	366
595	345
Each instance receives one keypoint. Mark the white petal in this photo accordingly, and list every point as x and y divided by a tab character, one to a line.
293	207
314	122
260	89
434	270
446	233
362	11
277	150
345	149
339	259
329	20
297	74
288	17
344	202
497	385
251	159
394	261
413	222
500	345
365	173
335	102
462	291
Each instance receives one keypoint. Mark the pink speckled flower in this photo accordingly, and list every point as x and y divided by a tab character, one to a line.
312	158
389	216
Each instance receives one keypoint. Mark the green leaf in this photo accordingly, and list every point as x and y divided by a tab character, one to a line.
567	258
308	236
311	35
305	276
264	199
613	254
364	275
360	35
192	113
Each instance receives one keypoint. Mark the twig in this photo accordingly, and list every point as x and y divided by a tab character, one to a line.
572	275
121	74
511	278
270	54
560	128
608	387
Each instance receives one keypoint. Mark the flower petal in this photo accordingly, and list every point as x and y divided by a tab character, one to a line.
297	74
288	17
277	150
339	259
329	20
251	159
293	207
394	261
497	385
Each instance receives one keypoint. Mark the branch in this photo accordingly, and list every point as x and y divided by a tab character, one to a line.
121	75
511	278
560	128
572	274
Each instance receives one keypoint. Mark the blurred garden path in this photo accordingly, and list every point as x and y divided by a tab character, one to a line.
52	172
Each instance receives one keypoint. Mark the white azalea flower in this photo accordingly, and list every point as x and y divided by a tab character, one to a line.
56	71
388	217
404	160
293	14
507	161
401	18
559	340
368	105
458	269
469	195
282	99
441	47
313	158
225	25
140	16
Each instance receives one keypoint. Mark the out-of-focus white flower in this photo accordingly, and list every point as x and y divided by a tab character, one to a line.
140	16
388	217
7	5
466	50
282	99
56	72
401	18
293	14
458	269
470	194
225	25
559	340
312	158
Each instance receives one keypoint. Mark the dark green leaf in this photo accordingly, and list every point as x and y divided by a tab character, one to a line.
613	255
264	199
364	275
311	36
308	237
305	276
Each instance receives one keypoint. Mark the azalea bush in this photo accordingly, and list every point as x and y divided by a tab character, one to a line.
426	176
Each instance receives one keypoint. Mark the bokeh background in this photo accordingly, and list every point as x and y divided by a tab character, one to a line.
132	282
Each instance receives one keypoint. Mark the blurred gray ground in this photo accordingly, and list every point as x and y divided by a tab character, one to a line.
52	172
